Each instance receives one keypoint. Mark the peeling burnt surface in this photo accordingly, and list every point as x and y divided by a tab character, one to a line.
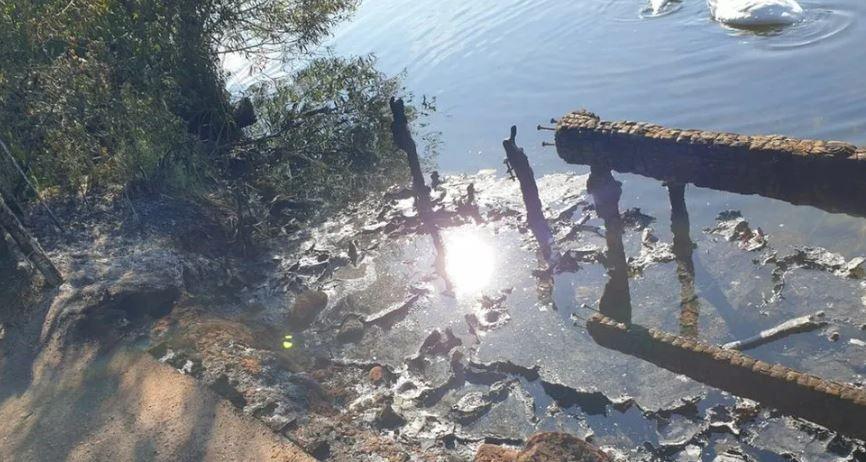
815	259
828	175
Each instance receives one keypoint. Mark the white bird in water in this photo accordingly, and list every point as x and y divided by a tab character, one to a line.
656	6
755	13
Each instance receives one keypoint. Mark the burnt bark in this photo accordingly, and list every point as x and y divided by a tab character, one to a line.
838	406
28	245
518	165
403	140
824	174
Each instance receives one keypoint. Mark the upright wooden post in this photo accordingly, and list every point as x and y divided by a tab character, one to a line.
28	245
403	140
518	164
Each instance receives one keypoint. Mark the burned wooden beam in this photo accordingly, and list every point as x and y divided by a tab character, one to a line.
829	175
837	406
28	245
518	165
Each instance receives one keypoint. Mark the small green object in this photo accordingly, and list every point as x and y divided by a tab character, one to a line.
287	342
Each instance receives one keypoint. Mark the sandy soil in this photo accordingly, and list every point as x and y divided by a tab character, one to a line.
122	405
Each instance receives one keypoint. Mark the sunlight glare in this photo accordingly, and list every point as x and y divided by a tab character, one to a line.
469	261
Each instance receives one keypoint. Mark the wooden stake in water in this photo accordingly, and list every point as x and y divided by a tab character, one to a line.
403	140
518	166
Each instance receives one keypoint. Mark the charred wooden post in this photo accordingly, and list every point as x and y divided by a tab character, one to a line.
468	206
683	248
403	140
835	405
28	245
825	174
518	165
606	191
435	180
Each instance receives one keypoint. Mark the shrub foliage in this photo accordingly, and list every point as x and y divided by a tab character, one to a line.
112	94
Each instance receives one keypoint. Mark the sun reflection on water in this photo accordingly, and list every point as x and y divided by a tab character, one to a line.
469	261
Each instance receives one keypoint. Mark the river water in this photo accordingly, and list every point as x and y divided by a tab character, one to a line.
495	63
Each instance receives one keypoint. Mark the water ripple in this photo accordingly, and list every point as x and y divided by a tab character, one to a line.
819	25
668	8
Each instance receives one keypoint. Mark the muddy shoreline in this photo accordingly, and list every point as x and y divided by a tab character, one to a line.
341	338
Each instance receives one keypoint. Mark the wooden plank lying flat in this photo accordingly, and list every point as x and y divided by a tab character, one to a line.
835	405
830	175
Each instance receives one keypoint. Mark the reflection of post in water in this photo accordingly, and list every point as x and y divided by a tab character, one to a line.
403	140
683	249
606	191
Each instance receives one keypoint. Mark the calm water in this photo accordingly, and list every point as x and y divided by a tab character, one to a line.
494	63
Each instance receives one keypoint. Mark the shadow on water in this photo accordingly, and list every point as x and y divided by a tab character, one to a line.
616	299
690	306
794	393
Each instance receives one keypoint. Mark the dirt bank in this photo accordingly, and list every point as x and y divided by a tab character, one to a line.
125	405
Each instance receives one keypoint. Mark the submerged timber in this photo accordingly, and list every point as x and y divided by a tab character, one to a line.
836	405
824	174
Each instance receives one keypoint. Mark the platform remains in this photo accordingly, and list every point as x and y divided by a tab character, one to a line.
838	406
830	175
